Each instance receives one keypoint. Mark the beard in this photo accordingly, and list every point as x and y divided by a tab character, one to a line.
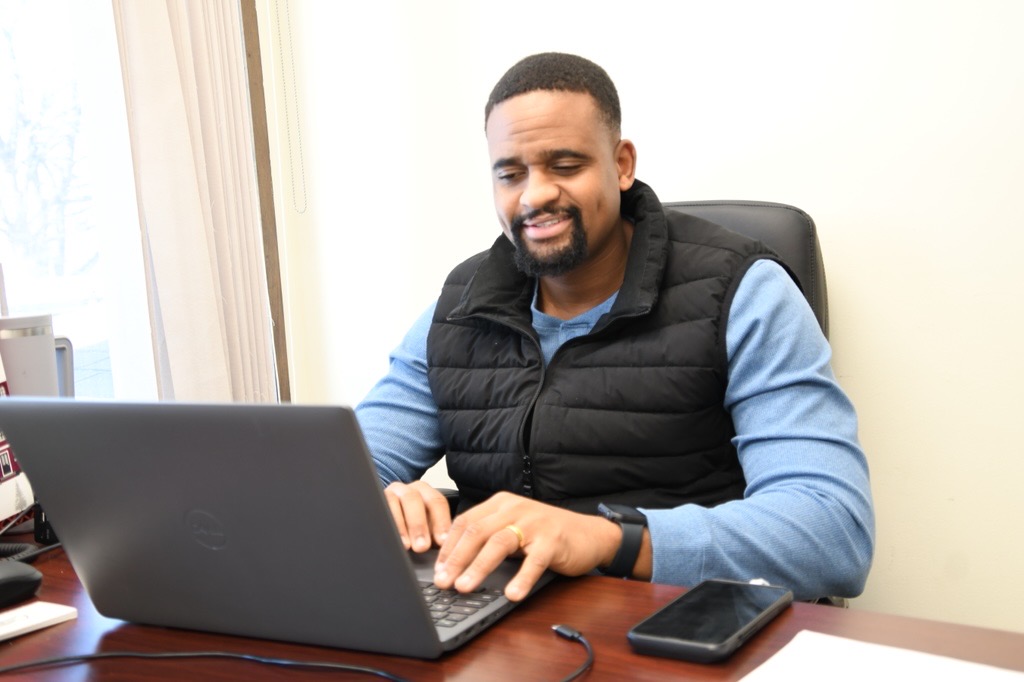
557	262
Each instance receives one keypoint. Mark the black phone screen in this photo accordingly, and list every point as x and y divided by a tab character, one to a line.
713	613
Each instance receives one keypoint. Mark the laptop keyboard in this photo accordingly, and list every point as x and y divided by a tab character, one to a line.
448	608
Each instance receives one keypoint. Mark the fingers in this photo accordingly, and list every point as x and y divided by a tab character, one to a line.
420	512
439	515
547	537
482	538
391	495
470	530
472	552
530	571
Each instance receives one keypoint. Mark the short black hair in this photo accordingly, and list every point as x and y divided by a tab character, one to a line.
563	72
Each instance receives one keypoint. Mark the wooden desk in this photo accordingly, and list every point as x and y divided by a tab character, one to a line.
521	647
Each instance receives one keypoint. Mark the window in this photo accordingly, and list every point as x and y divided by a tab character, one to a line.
70	243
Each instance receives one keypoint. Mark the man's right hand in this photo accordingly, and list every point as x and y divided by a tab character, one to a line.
421	513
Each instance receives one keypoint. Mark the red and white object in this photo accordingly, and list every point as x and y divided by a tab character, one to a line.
15	492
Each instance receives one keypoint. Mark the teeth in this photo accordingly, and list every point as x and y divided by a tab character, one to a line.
548	222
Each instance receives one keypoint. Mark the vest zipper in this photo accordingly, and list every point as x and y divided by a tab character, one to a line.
525	459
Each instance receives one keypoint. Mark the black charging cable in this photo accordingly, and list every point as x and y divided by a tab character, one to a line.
16	551
563	631
309	665
23	551
574	635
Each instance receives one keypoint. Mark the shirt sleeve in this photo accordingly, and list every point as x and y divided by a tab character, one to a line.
806	519
398	416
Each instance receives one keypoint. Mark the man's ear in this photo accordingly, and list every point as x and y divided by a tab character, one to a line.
625	161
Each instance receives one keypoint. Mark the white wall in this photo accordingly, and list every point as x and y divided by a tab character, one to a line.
896	124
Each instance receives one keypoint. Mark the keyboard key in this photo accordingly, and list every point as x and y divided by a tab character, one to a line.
472	603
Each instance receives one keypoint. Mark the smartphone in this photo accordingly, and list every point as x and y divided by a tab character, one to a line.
709	622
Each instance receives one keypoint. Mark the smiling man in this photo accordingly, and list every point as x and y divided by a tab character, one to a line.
617	388
558	171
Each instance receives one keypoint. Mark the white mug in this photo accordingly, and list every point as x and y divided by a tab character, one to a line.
29	353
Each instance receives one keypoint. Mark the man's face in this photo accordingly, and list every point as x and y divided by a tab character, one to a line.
557	171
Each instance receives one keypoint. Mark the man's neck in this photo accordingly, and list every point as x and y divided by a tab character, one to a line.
576	292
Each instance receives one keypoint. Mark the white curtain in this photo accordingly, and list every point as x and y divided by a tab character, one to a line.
183	63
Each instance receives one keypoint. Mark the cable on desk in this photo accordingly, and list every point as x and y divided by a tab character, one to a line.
574	635
285	663
15	551
23	551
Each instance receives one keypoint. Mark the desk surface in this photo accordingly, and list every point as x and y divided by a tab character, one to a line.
521	647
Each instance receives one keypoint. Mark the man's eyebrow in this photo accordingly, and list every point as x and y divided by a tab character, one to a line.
547	156
505	163
559	154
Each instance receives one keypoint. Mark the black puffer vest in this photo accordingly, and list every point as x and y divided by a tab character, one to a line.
631	412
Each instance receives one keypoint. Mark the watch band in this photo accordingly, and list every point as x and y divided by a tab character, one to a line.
632	524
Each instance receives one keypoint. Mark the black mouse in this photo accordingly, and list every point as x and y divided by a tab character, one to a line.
18	582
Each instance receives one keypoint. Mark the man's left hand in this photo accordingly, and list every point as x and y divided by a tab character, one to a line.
551	538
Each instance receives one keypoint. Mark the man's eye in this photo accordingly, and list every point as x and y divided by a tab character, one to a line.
509	176
566	169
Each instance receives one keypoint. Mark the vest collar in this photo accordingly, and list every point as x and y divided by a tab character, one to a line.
648	252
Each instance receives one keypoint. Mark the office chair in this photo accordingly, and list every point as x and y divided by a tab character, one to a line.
786	230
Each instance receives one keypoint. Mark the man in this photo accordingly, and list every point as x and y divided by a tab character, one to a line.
615	389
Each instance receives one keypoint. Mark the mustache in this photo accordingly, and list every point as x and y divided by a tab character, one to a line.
520	220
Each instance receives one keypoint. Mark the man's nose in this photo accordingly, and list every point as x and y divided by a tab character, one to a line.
540	191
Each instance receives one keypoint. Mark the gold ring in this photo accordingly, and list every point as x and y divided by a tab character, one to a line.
519	534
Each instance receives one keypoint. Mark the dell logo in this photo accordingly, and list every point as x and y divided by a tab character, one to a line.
206	529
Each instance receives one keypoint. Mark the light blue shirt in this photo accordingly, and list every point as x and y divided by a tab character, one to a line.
806	519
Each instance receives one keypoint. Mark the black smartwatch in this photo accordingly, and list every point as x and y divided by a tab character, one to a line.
632	523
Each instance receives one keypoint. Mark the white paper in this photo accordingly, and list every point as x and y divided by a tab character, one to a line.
813	656
34	616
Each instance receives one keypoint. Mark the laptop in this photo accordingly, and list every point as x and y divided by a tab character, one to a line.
257	520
